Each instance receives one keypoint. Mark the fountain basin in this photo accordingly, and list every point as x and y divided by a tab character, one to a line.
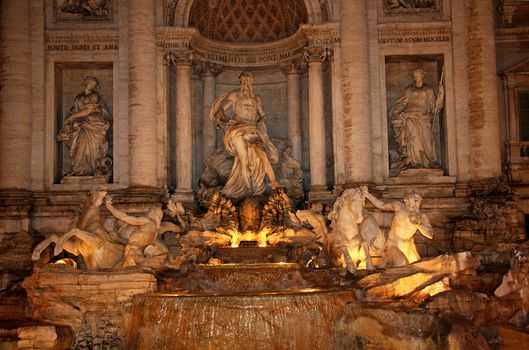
301	319
256	278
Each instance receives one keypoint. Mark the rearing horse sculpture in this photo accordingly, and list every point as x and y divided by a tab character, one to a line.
99	249
354	232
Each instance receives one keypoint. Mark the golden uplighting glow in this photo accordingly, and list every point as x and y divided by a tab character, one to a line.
259	237
66	261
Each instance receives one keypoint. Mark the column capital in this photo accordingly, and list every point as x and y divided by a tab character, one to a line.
315	54
178	58
295	66
330	54
207	69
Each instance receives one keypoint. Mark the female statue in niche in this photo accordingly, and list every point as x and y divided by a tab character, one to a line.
85	132
246	139
413	117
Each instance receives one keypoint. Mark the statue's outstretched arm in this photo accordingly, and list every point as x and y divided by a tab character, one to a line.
425	228
120	215
380	205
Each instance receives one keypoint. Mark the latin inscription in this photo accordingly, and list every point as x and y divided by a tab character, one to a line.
419	39
81	47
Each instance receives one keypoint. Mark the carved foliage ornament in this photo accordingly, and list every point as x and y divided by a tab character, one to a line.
316	54
179	58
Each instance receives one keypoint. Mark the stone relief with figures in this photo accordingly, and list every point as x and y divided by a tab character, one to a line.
78	10
406	5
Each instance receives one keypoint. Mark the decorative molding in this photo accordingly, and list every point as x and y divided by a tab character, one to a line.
399	34
322	35
172	39
512	34
71	40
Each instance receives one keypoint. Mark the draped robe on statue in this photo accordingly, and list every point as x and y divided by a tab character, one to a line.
246	139
86	136
412	119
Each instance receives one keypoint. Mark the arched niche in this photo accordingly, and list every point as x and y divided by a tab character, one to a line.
183	9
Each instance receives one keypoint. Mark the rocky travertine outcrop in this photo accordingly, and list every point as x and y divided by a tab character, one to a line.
96	305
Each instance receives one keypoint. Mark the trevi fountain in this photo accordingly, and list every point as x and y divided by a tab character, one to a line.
251	174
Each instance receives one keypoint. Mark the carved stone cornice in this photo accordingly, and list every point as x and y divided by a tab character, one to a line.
228	54
326	34
397	33
178	57
512	34
315	54
171	38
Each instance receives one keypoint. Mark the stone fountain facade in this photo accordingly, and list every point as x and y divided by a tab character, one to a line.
122	96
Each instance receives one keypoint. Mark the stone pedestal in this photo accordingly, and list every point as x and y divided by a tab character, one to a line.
85	180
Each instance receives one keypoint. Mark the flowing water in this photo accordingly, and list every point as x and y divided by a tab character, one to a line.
303	319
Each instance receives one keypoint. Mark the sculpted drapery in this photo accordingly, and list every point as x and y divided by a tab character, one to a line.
412	117
246	139
85	132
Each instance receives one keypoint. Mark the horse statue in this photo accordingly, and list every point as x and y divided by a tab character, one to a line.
354	233
99	249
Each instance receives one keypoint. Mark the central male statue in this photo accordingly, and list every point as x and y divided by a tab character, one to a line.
246	139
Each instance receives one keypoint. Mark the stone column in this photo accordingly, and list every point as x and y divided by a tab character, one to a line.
355	81
483	95
143	116
209	132
317	152
15	95
184	127
335	59
292	71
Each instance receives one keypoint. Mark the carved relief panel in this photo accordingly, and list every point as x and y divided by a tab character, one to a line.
403	6
78	10
415	113
84	116
66	14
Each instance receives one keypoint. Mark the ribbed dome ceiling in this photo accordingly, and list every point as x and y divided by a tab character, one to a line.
247	21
